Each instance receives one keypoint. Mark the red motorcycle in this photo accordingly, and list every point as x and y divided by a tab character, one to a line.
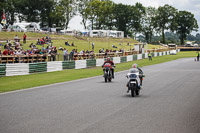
107	72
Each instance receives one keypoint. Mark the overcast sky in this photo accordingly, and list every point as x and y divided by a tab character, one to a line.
192	6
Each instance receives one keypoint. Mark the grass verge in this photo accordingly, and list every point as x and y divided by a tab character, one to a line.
27	81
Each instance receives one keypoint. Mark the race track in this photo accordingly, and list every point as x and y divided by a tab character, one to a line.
169	103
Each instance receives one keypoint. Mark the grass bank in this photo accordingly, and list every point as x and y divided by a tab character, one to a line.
33	80
80	42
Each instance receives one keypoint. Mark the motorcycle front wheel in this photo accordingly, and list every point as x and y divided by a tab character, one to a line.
132	92
106	77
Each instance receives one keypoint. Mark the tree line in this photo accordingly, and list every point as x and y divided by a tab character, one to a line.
103	14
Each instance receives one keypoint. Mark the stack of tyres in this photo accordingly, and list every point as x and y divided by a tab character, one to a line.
91	63
68	64
37	67
2	70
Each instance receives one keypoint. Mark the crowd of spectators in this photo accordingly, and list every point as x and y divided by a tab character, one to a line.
16	48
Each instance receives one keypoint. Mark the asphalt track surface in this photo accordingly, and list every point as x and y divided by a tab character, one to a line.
169	103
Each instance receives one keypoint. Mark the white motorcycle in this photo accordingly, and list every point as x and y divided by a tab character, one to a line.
134	83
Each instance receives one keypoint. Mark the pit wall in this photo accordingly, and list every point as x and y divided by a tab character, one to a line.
29	68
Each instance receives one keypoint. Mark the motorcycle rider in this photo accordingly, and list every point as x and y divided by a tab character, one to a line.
112	64
141	74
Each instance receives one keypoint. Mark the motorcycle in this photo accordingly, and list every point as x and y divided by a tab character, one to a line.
134	81
107	72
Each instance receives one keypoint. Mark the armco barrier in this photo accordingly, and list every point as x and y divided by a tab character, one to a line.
17	69
116	60
129	58
139	56
134	57
91	63
2	69
146	55
163	53
54	66
26	68
99	62
68	64
155	54
123	59
37	67
143	56
79	64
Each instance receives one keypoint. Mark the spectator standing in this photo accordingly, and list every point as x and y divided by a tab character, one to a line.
24	38
197	56
5	52
65	54
149	55
53	54
92	45
71	55
16	38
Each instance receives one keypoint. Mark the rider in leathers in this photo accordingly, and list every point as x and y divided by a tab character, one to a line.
141	75
112	64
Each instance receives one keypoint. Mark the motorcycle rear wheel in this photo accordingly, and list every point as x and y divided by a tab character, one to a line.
132	92
137	92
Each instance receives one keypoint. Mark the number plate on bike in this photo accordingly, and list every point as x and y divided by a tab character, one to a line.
133	82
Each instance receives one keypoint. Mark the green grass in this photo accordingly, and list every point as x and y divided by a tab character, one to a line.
33	80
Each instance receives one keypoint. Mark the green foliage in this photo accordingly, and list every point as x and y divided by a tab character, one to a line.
165	19
70	10
148	22
186	23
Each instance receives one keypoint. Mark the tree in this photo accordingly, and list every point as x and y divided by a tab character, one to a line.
123	18
186	23
83	4
57	16
136	18
108	16
148	22
9	6
70	7
165	19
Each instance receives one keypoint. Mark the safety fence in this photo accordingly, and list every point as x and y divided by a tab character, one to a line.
29	68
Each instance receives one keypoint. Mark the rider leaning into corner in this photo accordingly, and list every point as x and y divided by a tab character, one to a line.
112	64
140	72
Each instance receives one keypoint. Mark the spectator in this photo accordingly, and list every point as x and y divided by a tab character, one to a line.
53	54
114	46
24	38
81	52
60	48
73	44
1	44
197	56
65	54
5	52
16	38
38	42
149	55
92	45
71	55
67	44
100	50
